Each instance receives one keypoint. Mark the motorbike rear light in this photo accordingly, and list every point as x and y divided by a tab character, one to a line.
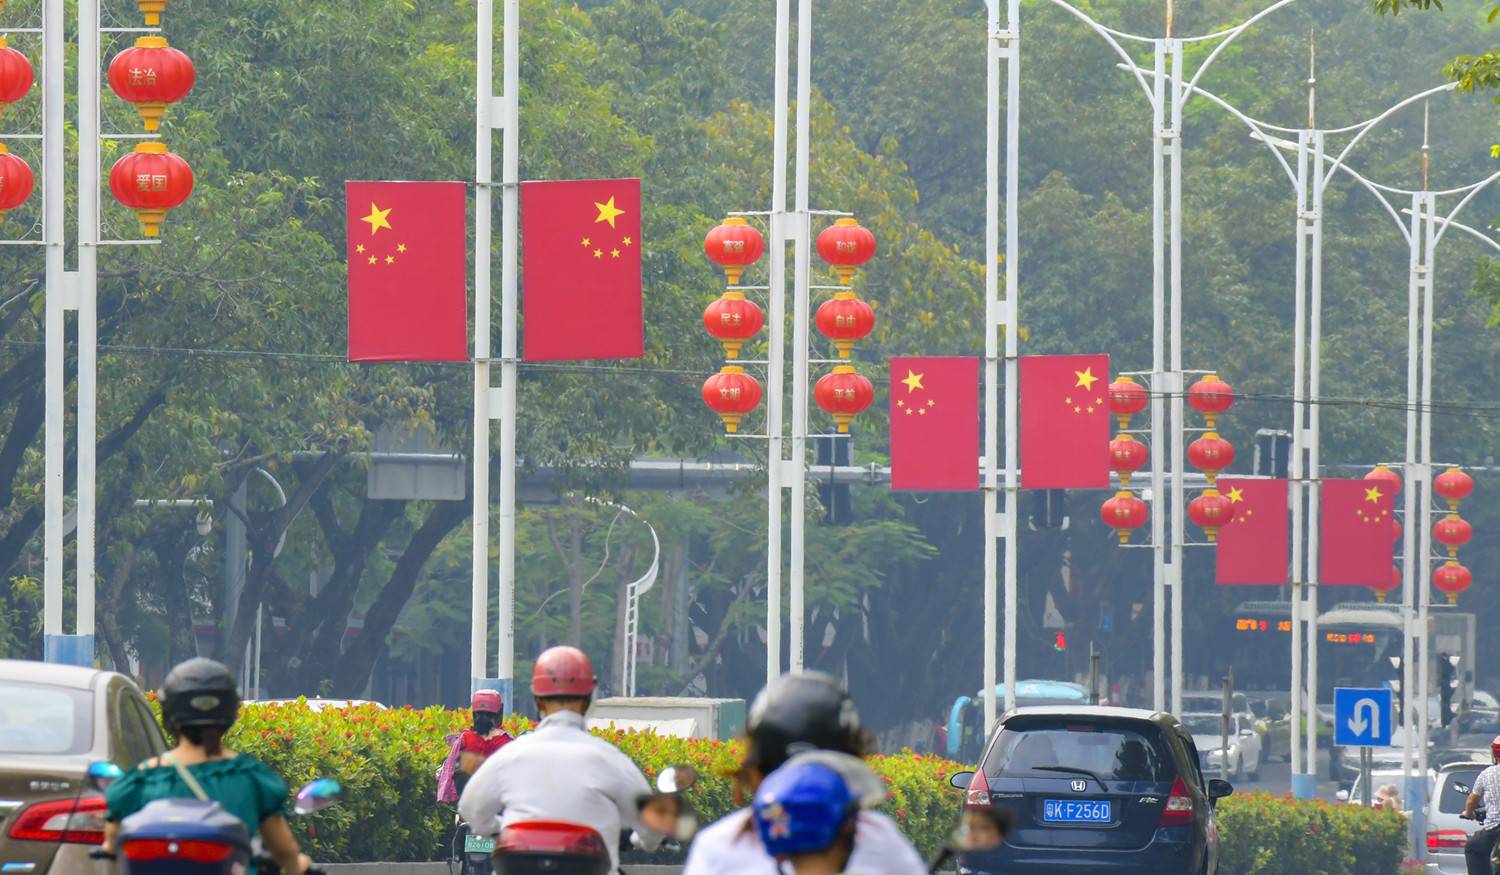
1179	810
79	821
552	836
1446	838
978	793
141	850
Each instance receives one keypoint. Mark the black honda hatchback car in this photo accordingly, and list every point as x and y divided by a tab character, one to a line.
1096	789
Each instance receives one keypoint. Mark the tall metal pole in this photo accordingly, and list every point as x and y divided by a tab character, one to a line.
88	319
776	335
1303	719
1424	533
1314	442
1173	141
52	236
510	201
993	318
483	174
1160	383
1416	495
1011	312
801	301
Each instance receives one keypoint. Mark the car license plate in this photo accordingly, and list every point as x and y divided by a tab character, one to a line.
474	844
1075	811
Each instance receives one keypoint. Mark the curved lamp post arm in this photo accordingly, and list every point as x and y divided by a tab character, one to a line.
1369	125
1229	35
1108	35
1444	223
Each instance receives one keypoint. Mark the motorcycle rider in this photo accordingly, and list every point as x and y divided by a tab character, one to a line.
1486	793
560	771
805	815
794	714
199	702
486	736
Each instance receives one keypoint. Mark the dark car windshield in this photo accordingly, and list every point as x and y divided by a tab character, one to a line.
36	719
1199	724
1457	786
1110	751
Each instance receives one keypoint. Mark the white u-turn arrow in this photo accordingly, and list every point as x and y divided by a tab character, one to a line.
1358	724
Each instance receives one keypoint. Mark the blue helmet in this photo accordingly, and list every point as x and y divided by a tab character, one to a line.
801	807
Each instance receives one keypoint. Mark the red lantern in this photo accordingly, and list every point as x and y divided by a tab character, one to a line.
733	320
1395	583
734	246
1452	578
846	246
731	394
1124	513
843	393
845	319
1211	511
151	74
1386	475
15	75
1210	396
1452	531
1453	485
1126	399
1126	456
151	181
1212	454
1396	525
152	9
15	181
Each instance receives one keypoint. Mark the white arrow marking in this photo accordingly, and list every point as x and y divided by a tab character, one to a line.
1358	724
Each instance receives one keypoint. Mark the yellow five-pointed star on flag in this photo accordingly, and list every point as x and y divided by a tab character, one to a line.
1236	495
1372	494
1086	378
608	211
913	381
377	219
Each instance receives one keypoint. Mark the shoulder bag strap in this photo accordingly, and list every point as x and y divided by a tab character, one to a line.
187	777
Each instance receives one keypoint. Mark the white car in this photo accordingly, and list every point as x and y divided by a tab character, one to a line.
1446	831
1243	754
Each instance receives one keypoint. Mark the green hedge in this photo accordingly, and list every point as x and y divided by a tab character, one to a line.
385	761
1263	834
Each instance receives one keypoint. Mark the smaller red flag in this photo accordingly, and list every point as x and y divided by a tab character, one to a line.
1064	421
1252	546
1355	547
408	272
935	423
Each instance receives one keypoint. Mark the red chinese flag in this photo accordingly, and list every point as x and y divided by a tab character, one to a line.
934	423
1252	546
1355	547
1064	422
408	272
581	270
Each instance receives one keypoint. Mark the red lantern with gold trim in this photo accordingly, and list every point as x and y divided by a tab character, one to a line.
1386	475
1452	531
16	75
16	181
1210	396
844	319
1124	513
846	245
734	246
1452	578
1211	454
152	9
1454	485
731	393
1126	399
733	320
1211	511
151	180
151	74
1383	588
1126	456
843	393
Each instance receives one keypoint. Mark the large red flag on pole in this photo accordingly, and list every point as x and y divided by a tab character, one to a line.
1252	546
407	272
581	270
1355	547
935	423
1064	421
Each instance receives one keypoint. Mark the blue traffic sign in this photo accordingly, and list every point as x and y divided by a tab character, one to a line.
1361	717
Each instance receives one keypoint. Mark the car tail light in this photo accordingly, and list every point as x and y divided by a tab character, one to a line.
1179	810
78	821
1446	838
978	793
141	850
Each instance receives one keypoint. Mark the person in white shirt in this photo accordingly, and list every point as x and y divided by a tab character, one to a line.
795	714
560	771
1486	792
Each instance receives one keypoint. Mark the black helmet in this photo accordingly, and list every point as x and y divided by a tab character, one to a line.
199	692
798	712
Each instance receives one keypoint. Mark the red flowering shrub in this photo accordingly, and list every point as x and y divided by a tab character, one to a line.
1263	834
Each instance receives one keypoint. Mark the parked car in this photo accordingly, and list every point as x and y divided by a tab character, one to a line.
1095	788
1446	831
56	720
1484	714
1244	752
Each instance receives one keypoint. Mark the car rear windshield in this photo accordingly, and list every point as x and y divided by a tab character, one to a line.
1110	750
1456	789
36	719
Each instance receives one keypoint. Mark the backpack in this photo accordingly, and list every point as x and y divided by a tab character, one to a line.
446	790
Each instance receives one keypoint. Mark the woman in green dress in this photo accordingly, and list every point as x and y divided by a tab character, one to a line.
199	702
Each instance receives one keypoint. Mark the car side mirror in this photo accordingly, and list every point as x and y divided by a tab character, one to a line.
1219	788
961	779
316	796
675	779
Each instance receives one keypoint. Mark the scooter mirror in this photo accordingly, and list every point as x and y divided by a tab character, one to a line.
318	795
687	826
102	774
675	779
